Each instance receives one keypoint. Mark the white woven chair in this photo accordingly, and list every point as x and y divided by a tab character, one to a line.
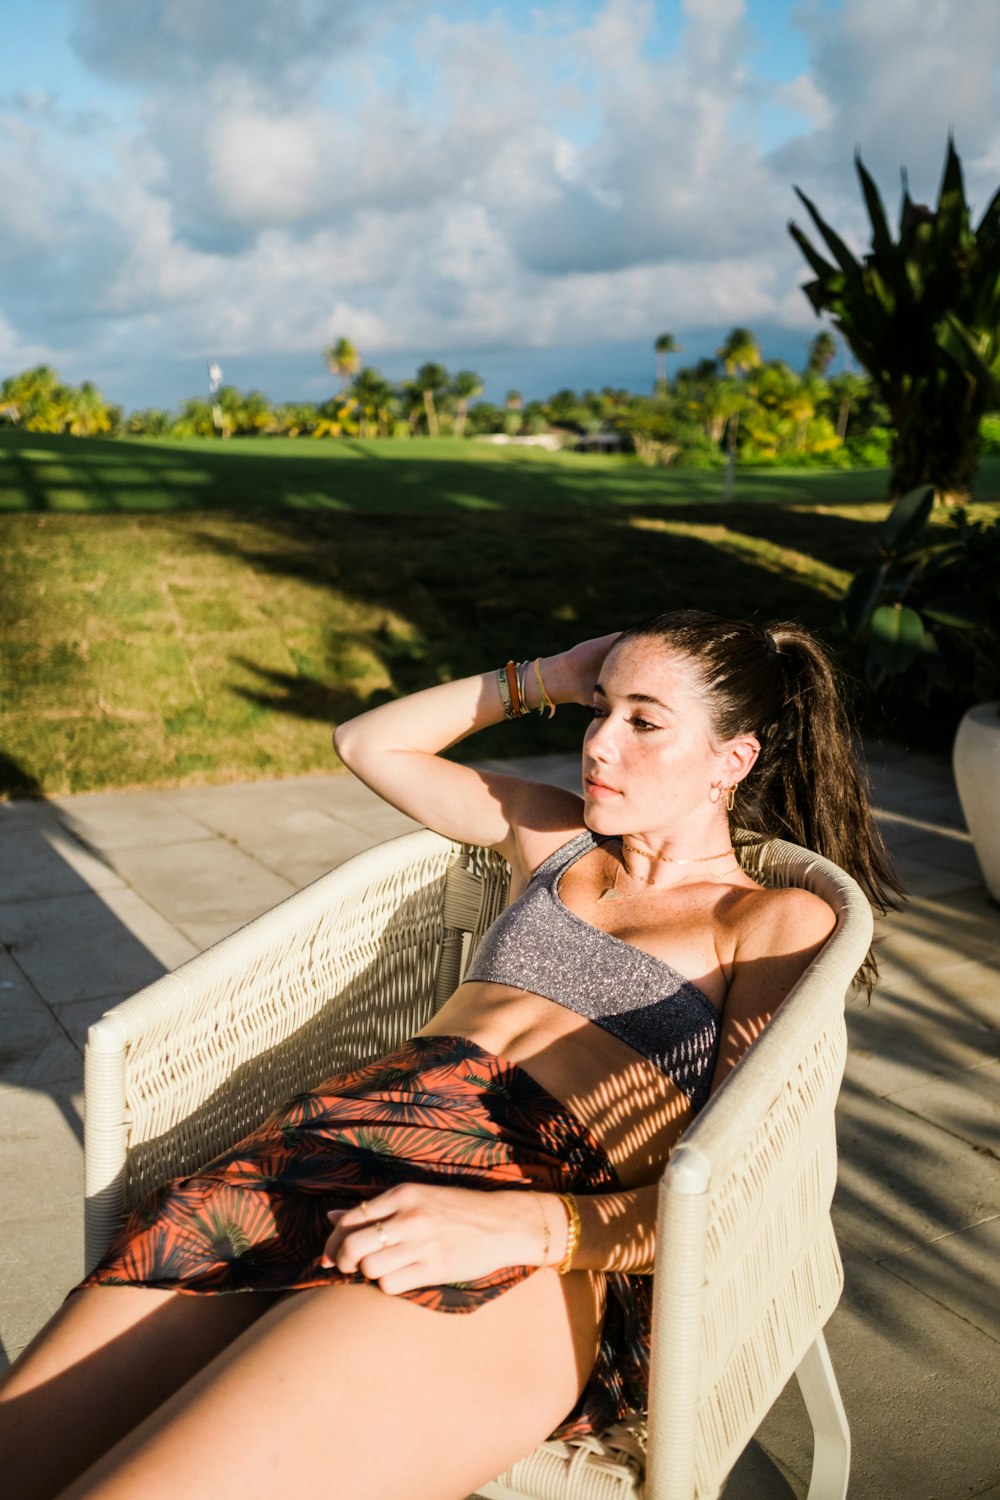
747	1269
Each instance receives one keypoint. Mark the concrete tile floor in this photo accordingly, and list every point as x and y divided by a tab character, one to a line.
100	894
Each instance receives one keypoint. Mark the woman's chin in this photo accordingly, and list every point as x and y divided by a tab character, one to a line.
600	818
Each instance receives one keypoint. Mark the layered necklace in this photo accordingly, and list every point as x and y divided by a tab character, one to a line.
612	893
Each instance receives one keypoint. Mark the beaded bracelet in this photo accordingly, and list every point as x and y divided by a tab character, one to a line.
573	1236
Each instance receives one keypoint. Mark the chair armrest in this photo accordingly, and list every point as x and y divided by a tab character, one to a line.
343	969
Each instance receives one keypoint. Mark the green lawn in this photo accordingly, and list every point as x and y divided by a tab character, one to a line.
177	613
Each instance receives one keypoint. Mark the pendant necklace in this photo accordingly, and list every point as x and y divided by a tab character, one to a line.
612	893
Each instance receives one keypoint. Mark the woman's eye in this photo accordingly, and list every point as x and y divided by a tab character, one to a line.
644	725
598	712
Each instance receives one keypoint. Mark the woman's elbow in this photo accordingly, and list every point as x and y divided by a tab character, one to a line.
342	743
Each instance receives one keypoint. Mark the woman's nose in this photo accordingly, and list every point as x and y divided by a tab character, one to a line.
601	740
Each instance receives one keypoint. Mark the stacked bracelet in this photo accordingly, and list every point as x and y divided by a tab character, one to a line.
512	685
573	1234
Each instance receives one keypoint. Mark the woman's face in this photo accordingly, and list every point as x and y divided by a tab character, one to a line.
649	762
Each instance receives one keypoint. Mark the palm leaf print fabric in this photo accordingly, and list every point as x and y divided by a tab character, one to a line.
440	1109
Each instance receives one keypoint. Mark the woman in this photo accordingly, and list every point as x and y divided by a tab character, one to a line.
635	967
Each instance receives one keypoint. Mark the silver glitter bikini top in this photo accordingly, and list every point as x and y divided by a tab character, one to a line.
539	945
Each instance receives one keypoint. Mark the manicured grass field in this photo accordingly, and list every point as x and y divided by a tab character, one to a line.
176	613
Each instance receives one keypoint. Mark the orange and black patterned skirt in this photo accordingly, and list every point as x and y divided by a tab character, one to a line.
439	1109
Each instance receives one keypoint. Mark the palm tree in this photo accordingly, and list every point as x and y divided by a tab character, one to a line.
665	344
846	389
432	381
922	314
740	353
821	352
465	386
374	396
343	360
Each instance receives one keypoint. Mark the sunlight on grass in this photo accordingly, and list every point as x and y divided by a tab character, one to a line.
212	619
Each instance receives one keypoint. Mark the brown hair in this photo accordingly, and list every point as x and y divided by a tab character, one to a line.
777	683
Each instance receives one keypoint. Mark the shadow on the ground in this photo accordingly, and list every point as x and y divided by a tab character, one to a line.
66	957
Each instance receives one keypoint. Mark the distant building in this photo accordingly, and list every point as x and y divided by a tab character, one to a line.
599	442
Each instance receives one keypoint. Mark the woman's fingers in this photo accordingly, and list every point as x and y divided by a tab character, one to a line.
421	1235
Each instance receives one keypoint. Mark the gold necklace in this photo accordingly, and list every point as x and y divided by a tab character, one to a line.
664	859
612	893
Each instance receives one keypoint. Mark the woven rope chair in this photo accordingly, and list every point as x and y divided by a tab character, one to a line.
747	1269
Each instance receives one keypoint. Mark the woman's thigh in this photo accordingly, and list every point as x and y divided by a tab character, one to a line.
362	1395
108	1357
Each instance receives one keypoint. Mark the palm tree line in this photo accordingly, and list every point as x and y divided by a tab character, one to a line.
738	403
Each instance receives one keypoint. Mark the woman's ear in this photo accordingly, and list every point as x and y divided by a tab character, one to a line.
741	756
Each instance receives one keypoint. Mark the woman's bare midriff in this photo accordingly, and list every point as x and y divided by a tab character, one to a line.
634	1111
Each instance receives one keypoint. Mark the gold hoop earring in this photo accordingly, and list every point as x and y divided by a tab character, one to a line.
730	792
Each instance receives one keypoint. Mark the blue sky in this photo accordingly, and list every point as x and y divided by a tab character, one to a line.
535	191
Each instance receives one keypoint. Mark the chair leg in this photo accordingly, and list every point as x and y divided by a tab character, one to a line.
831	1434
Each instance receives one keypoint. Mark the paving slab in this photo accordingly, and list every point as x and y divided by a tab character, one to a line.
921	1389
950	1272
919	1026
42	1257
75	947
43	1153
903	1181
202	883
127	820
35	1050
966	1105
933	934
43	861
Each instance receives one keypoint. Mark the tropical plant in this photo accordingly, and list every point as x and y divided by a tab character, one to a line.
465	386
665	344
343	360
821	353
375	400
152	422
432	383
926	609
740	353
922	314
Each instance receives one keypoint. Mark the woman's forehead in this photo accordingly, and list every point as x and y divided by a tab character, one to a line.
641	665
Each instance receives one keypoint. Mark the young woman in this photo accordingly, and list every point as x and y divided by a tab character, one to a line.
504	1162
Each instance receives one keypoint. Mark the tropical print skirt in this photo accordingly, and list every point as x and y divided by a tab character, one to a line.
439	1109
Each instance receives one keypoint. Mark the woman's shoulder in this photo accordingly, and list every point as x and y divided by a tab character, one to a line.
777	920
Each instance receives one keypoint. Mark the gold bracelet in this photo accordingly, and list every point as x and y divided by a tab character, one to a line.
544	701
573	1236
545	1227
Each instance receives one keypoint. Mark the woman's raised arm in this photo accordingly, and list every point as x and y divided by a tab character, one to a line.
395	748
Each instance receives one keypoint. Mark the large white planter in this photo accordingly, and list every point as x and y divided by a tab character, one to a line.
976	761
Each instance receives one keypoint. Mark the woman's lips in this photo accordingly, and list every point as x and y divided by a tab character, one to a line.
598	789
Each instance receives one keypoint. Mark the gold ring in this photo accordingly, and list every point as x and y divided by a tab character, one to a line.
363	1209
381	1232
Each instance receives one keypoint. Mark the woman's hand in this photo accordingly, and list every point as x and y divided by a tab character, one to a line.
418	1235
570	676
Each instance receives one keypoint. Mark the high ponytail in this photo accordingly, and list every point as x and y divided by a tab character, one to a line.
778	683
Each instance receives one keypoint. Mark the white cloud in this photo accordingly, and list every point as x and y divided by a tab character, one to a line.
444	182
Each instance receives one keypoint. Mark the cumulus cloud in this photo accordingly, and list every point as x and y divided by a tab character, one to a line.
450	180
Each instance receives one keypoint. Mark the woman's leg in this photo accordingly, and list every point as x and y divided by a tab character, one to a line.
108	1357
361	1395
